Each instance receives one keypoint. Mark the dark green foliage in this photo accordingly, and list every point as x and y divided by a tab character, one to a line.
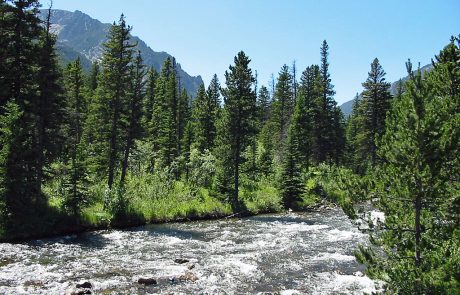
31	94
73	168
419	235
292	186
106	123
48	107
149	99
263	105
134	111
282	108
236	128
204	117
327	120
373	109
11	202
93	77
164	117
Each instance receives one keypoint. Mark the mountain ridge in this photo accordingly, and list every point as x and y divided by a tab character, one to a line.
80	35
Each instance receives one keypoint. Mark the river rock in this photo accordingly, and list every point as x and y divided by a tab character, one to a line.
181	260
147	281
189	276
84	285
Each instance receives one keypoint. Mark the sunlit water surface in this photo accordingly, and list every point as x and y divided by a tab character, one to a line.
293	253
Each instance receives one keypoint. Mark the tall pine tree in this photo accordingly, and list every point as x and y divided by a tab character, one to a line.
236	125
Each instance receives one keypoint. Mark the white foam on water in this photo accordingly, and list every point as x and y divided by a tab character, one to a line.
332	282
336	235
333	256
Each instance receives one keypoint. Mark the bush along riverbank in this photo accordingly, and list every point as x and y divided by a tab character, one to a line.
154	199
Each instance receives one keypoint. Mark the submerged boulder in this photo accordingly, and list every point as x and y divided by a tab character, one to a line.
147	281
181	260
84	285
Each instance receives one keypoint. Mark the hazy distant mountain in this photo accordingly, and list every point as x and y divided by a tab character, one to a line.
347	107
80	35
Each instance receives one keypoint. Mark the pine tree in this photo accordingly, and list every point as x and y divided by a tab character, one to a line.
213	92
48	107
106	132
282	108
263	105
419	235
183	116
327	122
202	120
93	77
375	104
236	126
164	118
134	115
76	183
292	187
149	100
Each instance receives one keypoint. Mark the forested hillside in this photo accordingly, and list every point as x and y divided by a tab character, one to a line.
125	144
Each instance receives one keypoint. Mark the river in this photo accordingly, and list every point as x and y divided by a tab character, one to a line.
291	253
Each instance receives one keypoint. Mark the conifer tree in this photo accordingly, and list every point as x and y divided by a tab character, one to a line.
282	108
327	118
292	187
75	186
375	104
236	125
183	116
134	115
263	105
48	107
213	92
149	100
419	235
93	77
164	118
106	133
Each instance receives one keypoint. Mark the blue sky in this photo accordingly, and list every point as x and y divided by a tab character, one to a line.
205	35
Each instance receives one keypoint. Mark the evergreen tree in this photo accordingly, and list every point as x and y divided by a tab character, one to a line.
164	116
263	105
75	186
327	119
149	100
292	187
419	235
134	116
203	126
48	107
282	108
236	125
106	132
183	116
214	92
375	104
93	77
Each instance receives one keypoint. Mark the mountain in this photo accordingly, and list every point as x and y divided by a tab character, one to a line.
80	35
347	107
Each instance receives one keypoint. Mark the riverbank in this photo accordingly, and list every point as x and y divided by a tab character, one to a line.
96	218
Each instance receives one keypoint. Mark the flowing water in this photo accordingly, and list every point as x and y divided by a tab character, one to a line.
292	253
